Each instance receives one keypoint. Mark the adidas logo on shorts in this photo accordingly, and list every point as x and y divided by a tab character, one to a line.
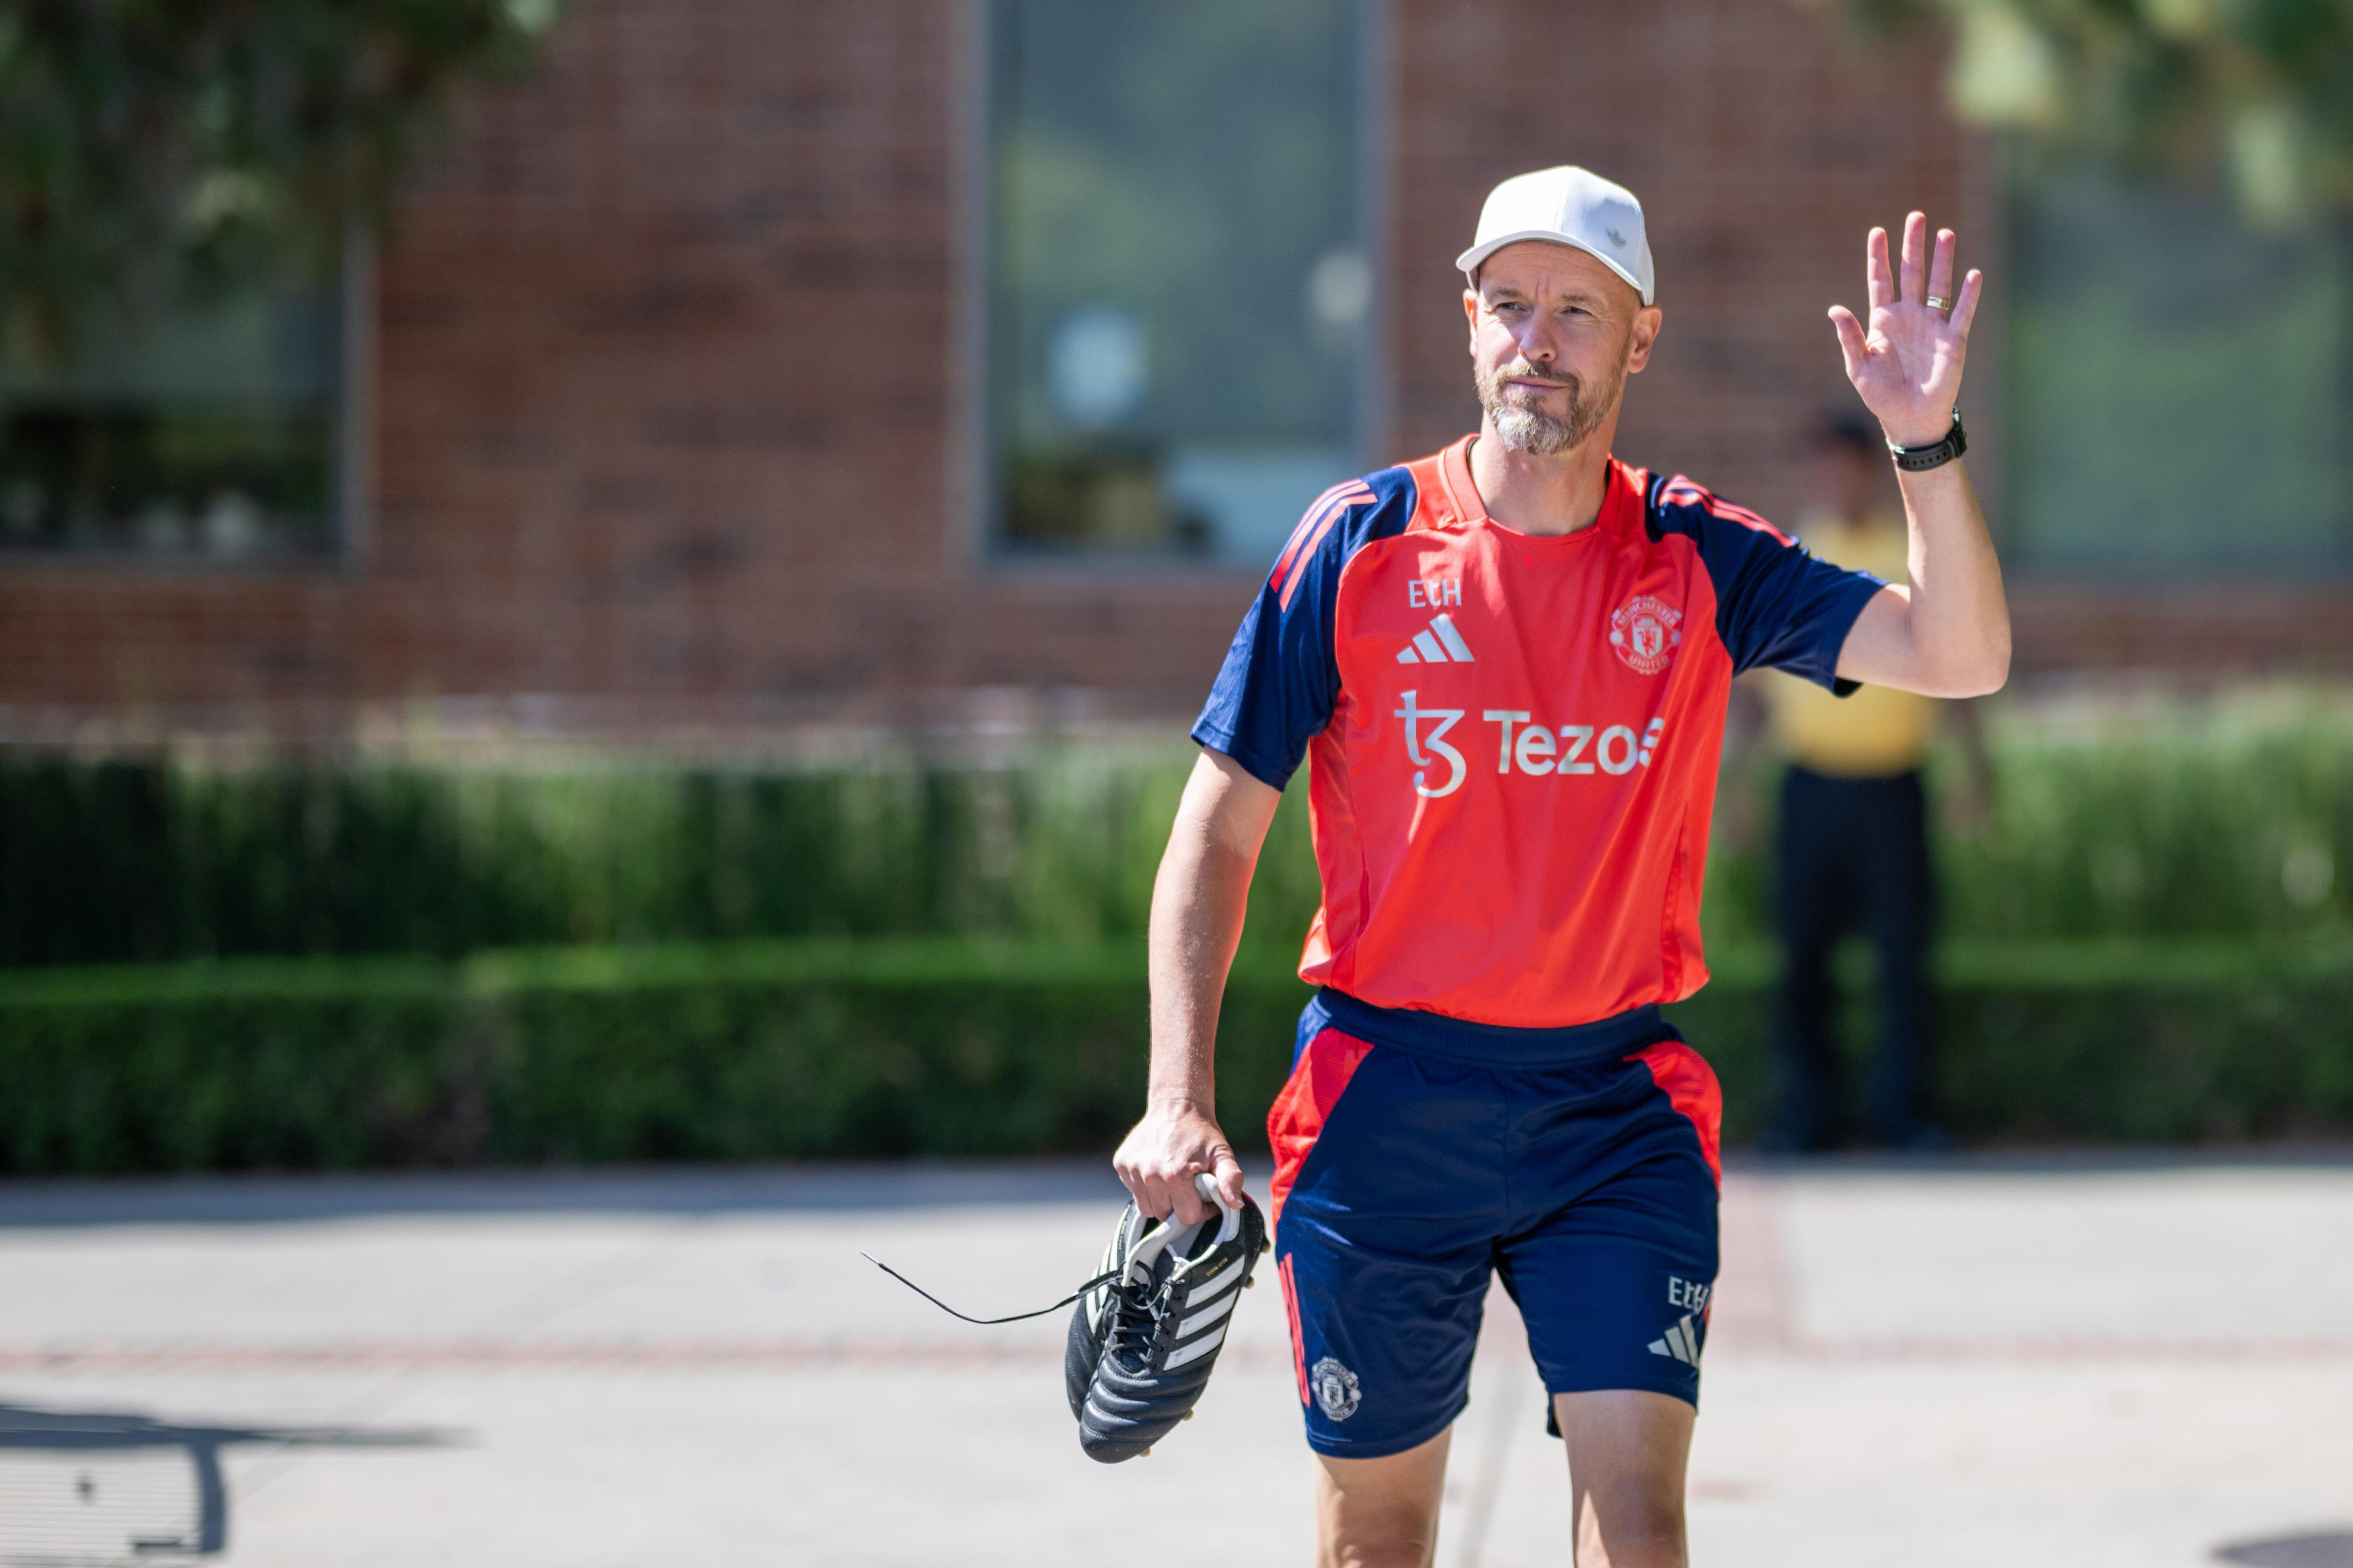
1680	1342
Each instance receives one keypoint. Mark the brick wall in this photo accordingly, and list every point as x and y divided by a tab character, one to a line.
1763	147
671	345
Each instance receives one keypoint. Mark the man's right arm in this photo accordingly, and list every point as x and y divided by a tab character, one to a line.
1197	902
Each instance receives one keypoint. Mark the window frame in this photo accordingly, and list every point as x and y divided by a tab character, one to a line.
352	484
973	491
2008	175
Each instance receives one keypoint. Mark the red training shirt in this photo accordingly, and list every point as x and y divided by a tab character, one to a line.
1512	739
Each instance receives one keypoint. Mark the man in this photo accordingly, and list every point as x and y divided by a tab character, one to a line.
1852	846
1509	662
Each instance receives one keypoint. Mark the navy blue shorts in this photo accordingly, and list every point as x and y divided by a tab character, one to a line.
1415	1154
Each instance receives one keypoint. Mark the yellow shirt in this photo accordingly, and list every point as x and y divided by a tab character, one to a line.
1878	733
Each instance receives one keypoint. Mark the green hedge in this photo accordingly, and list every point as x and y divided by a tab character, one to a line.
830	1049
2230	820
120	862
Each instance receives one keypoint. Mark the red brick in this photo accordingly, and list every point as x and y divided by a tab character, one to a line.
667	409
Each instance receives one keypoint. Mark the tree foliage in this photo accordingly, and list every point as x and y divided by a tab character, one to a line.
149	147
2258	91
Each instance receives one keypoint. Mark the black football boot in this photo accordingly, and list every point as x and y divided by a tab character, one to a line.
1143	1342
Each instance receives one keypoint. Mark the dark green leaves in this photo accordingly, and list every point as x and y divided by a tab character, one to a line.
2259	92
153	149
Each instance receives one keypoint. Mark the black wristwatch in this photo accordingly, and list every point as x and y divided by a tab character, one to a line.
1920	459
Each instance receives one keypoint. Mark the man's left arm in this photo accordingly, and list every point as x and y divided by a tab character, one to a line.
1946	635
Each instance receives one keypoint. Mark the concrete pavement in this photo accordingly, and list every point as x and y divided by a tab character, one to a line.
2072	1362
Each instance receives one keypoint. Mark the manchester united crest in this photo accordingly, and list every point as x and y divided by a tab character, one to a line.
1646	634
1337	1389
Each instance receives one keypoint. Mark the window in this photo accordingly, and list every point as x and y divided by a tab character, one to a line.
205	433
2179	395
1178	294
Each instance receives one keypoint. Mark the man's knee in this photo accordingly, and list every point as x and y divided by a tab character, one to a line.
1411	1543
1628	1451
1632	1534
1381	1513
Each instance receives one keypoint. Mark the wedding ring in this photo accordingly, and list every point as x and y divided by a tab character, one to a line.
1934	304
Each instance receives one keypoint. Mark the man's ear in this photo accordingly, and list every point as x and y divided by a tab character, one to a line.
1647	321
1471	315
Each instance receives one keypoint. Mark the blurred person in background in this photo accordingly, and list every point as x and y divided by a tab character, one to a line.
1850	851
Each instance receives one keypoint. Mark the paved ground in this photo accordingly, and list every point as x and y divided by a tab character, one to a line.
2068	1363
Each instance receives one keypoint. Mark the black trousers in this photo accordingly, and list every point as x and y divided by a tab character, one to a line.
1852	854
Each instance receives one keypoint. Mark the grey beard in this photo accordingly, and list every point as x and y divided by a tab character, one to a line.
1526	430
1522	428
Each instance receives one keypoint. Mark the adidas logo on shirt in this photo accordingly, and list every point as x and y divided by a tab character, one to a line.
1441	643
1679	1343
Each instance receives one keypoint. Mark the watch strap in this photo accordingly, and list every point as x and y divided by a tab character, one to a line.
1920	459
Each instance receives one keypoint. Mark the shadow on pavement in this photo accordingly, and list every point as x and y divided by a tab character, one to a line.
90	1487
2331	1550
694	1190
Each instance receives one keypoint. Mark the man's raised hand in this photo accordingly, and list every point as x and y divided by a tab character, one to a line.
1907	364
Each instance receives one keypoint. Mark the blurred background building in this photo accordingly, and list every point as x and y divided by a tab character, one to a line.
751	364
621	580
581	673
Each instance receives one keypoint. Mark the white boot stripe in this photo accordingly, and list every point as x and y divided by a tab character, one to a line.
1222	1279
1208	1314
1194	1351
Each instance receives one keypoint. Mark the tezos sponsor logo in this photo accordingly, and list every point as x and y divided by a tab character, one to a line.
1337	1389
1646	632
1522	745
1441	720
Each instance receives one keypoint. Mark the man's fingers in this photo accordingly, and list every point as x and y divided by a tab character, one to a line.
1152	1198
1878	275
1851	343
1966	308
1915	258
1940	266
1153	1193
1229	1179
1163	1159
1191	1209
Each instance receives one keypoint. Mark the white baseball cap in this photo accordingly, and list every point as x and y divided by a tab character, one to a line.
1572	206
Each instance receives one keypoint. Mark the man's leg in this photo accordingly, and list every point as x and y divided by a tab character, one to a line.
1899	903
1387	1196
1615	1284
1626	1451
1807	906
1380	1513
